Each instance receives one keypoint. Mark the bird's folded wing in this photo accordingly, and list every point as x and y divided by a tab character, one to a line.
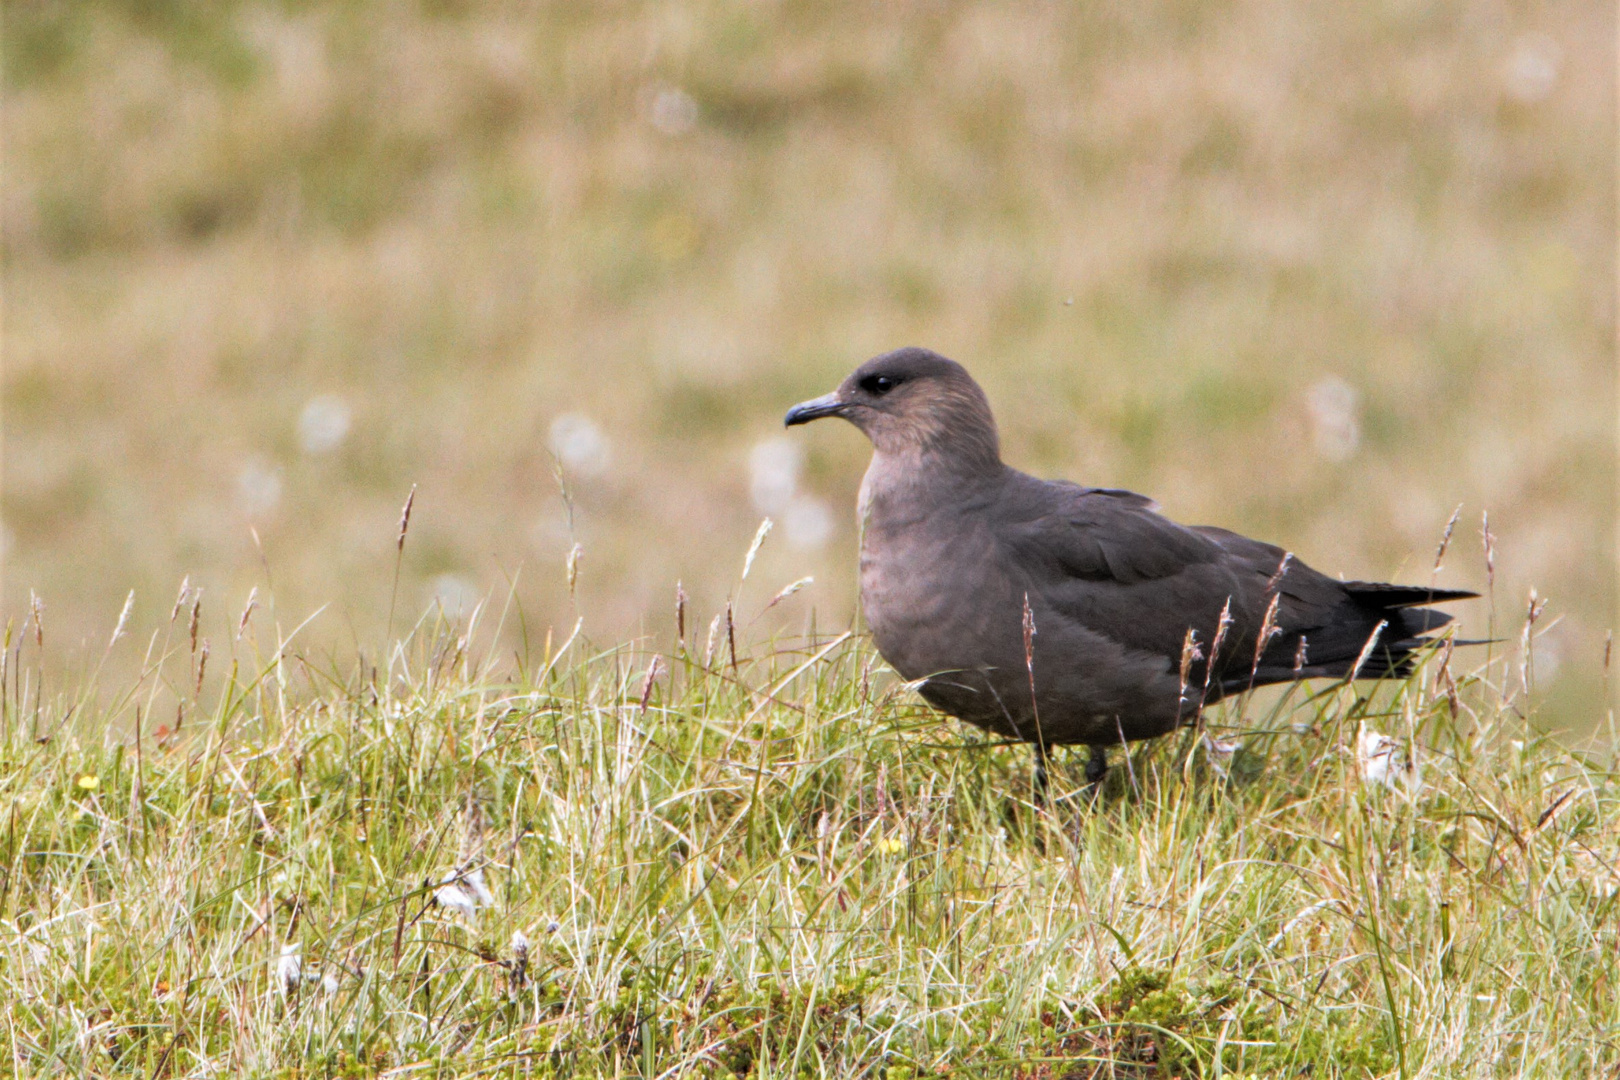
1100	534
1108	564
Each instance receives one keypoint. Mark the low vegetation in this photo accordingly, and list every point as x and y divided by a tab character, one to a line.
706	860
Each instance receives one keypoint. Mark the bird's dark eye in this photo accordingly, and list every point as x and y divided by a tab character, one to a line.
877	384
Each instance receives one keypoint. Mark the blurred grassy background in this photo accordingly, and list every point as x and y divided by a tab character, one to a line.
1315	272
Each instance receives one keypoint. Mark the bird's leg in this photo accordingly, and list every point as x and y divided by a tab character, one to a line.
1040	779
1096	769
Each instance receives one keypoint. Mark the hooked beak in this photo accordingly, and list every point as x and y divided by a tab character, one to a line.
814	409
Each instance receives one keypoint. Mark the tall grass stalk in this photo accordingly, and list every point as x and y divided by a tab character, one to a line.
779	864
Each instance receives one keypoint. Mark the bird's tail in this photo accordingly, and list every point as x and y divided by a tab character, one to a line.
1378	594
1403	624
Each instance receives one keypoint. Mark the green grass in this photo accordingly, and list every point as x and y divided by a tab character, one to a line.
1151	230
782	867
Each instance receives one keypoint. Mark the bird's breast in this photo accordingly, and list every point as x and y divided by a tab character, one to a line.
928	585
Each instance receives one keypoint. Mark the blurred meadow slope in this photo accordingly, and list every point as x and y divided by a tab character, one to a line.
1317	272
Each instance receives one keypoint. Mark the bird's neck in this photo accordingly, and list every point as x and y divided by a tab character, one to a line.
903	486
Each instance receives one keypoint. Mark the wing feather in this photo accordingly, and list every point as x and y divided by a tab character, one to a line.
1107	560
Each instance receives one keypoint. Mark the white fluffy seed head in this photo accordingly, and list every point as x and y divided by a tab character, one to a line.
289	968
323	424
453	898
580	445
1375	755
474	881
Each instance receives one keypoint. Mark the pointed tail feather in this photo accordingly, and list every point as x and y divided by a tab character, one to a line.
1384	595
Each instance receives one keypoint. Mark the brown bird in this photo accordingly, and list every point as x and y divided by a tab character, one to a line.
1059	614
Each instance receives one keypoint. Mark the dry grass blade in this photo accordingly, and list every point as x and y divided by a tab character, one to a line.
857	888
1029	667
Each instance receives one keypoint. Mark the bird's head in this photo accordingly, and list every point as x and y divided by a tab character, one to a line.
913	401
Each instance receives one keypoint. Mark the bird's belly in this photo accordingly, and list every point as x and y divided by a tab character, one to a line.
943	614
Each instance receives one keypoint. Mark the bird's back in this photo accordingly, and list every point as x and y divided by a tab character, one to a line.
1111	588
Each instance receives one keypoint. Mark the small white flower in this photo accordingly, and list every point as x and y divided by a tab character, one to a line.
329	983
289	968
520	945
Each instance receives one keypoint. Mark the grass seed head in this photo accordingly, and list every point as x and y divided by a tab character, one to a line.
731	637
405	520
788	590
1222	625
247	611
180	599
1488	540
1190	655
572	567
1268	630
1445	538
680	616
1281	571
760	534
649	681
123	619
708	648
